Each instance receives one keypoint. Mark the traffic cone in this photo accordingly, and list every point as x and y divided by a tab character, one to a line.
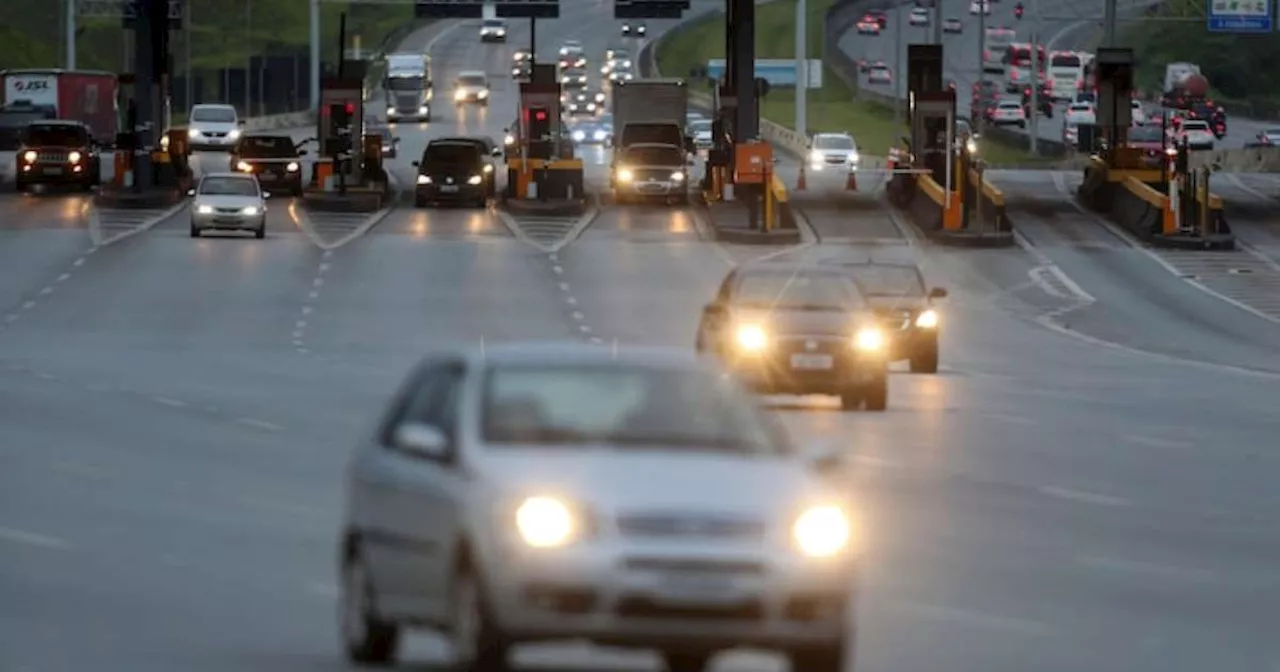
851	184
801	182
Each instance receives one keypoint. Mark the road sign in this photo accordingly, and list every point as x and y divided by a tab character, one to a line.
776	71
649	9
1241	16
474	9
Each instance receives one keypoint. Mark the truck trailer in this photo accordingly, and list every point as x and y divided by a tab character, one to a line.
87	96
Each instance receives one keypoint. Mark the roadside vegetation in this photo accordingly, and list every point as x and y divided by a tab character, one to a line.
833	108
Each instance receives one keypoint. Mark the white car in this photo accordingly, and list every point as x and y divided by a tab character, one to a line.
228	202
879	74
980	7
1197	134
919	17
1139	113
1070	134
700	131
634	29
493	30
213	127
952	26
833	150
1009	113
523	494
1081	113
471	86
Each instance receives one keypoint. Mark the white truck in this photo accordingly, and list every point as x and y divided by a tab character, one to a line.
650	148
408	87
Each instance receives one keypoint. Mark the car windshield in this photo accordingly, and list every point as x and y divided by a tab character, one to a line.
228	186
452	153
217	115
623	406
268	147
700	126
57	136
821	291
833	142
889	281
405	83
620	54
1272	131
1146	134
1081	107
494	23
472	80
654	156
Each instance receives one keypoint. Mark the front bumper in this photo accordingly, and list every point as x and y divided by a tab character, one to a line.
449	193
791	367
652	189
228	221
494	36
414	115
613	594
43	172
275	177
844	164
471	98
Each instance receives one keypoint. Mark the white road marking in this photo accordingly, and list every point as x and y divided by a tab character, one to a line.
975	619
78	262
1168	572
557	270
1083	496
28	305
597	339
306	310
305	223
63	277
96	230
564	286
167	401
578	316
260	424
584	328
32	539
571	301
1155	441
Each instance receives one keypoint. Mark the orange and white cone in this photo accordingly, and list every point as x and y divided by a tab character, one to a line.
801	182
851	184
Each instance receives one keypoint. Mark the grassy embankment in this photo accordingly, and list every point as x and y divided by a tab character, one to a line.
831	108
225	34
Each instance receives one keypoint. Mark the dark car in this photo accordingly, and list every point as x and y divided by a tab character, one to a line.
276	160
454	170
896	291
794	329
390	141
57	152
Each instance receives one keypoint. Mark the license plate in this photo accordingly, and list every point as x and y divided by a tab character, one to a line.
449	189
698	588
267	176
812	362
52	171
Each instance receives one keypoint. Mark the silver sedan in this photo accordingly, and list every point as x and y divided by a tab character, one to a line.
638	499
229	202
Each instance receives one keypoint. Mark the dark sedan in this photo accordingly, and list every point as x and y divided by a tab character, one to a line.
896	291
793	329
276	160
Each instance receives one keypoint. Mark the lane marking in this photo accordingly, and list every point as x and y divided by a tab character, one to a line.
558	270
170	402
976	619
1155	441
1159	570
260	424
571	301
564	286
1082	496
96	232
578	316
32	539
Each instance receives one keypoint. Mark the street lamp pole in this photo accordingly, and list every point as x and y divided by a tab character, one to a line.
802	70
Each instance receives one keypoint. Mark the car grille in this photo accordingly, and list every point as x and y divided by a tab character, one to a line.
52	157
653	174
213	134
692	525
227	211
826	345
837	159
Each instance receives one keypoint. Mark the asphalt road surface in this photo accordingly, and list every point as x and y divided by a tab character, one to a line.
1085	485
962	51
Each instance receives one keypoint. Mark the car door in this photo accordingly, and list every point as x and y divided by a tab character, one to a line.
426	495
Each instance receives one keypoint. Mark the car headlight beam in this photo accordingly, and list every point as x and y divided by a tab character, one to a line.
475	179
869	339
625	175
822	532
752	338
927	319
545	522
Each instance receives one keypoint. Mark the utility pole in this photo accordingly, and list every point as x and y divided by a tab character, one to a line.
186	48
70	21
248	58
898	48
315	54
937	21
1035	78
802	69
982	62
1109	22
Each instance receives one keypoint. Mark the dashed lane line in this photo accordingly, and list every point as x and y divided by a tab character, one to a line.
1083	496
48	290
25	538
112	225
306	311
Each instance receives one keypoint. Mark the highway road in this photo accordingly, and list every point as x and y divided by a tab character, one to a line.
175	416
961	52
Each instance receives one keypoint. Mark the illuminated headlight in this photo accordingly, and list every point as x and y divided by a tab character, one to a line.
641	29
233	134
244	167
564	80
971	146
854	158
573	107
292	167
164	143
251	210
475	179
459	95
74	157
423	179
677	176
193	133
424	109
625	175
482	95
752	338
501	33
598	135
488	168
815	156
582	78
509	140
205	209
927	320
869	339
564	52
822	532
626	64
599	97
515	72
391	111
545	522
627	76
591	107
579	136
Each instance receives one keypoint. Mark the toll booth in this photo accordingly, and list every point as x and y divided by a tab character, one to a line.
1114	72
341	114
541	164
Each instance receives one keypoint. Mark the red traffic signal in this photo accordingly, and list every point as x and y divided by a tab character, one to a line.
351	108
540	115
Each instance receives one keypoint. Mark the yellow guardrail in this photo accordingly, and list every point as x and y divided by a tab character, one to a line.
779	189
932	189
1146	192
1215	201
989	190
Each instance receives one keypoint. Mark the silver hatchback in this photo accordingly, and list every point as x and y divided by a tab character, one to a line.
636	498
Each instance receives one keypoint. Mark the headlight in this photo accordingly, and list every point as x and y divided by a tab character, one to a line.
625	175
927	320
482	95
752	338
488	168
292	167
544	522
475	179
502	33
391	111
244	167
815	156
626	64
74	157
509	140
869	339
233	134
822	531
579	136
205	209
459	95
563	52
564	80
30	156
677	176
193	132
423	179
854	158
251	210
591	107
515	72
598	135
573	107
599	97
971	146
424	109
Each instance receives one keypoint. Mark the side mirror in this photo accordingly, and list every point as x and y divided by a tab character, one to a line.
938	293
266	195
497	151
302	152
191	192
422	440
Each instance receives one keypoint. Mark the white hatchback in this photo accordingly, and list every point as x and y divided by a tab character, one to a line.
213	127
1009	113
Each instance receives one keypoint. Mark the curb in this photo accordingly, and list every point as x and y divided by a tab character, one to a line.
785	238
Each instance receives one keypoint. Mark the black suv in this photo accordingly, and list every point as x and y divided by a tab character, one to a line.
274	159
456	170
57	152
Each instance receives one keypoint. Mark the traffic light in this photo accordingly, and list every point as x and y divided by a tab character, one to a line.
539	123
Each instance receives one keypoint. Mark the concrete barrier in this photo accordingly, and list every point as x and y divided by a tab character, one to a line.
1242	160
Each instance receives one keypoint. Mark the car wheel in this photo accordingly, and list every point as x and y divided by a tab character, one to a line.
477	646
366	638
260	232
195	230
687	661
824	659
925	360
875	394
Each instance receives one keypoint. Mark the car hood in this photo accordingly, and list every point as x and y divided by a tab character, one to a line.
801	322
228	201
213	126
609	481
888	304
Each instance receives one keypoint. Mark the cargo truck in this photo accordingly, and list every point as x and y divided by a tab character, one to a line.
85	96
408	87
650	148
